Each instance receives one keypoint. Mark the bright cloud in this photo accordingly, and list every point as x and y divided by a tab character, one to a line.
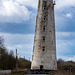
72	58
29	3
68	58
64	10
65	34
20	11
65	45
69	15
12	11
17	10
64	4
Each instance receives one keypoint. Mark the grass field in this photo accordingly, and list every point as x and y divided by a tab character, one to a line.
21	74
51	73
16	74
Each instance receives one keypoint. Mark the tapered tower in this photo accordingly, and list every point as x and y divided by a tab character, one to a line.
44	49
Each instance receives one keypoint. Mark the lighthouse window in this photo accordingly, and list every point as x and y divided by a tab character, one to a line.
45	3
43	38
44	18
43	28
44	8
43	48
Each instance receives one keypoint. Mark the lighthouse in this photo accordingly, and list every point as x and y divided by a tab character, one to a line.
44	49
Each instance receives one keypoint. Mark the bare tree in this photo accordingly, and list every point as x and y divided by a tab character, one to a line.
1	42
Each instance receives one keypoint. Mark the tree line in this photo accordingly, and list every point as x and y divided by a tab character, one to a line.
8	60
66	65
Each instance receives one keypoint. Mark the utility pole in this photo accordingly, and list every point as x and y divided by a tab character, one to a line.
24	57
16	60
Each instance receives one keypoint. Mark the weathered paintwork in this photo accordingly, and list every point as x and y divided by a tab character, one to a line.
44	51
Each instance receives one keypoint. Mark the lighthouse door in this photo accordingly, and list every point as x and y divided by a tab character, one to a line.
41	67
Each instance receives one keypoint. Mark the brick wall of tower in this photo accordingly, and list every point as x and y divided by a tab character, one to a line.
44	50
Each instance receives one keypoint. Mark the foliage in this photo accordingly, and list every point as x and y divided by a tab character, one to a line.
66	65
23	63
8	61
16	74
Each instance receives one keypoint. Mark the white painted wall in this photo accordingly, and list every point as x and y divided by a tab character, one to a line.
46	58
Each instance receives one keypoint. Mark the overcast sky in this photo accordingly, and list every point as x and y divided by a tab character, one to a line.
17	26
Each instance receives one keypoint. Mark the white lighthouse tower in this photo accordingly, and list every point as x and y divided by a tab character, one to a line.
44	49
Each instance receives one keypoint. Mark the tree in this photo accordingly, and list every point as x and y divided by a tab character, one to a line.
7	60
23	63
1	42
2	52
11	60
66	65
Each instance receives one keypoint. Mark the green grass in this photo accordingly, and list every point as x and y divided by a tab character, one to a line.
16	74
21	74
